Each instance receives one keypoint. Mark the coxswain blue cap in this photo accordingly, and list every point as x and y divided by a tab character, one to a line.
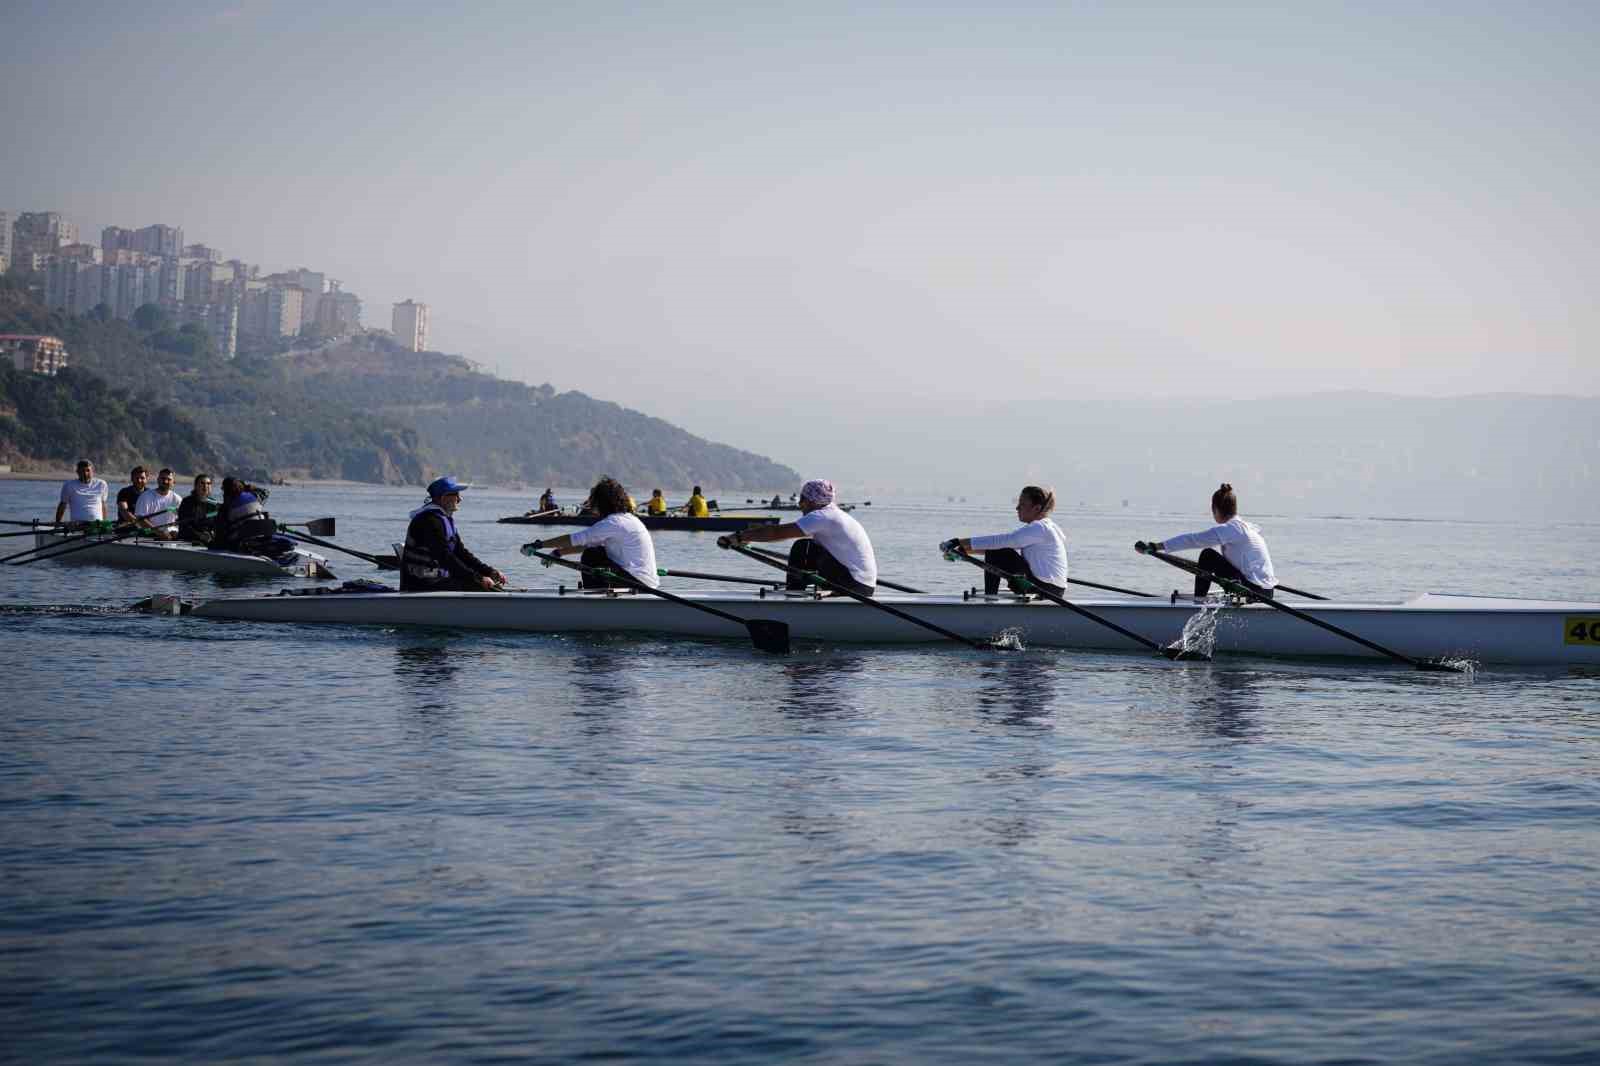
444	486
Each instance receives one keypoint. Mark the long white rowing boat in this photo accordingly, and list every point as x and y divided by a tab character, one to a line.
1481	629
147	554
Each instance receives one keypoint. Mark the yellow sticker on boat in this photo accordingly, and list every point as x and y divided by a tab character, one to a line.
1583	629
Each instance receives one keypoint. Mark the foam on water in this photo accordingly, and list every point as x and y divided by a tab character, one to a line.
1200	632
1008	640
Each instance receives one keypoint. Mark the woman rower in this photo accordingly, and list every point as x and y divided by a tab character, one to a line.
618	541
242	523
835	547
1243	552
1036	550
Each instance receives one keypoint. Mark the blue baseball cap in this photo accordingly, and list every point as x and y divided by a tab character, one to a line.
444	486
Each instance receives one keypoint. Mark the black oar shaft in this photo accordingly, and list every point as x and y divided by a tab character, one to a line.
1069	605
309	539
808	575
766	634
717	577
1107	588
48	554
780	557
1241	589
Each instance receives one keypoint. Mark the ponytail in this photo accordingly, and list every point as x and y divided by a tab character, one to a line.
1224	502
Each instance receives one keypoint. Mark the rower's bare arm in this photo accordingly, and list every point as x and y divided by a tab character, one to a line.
560	544
61	509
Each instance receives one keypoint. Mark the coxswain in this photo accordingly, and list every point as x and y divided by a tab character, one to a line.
1036	550
833	544
434	559
83	499
696	507
618	541
242	523
1233	548
128	495
657	505
157	508
194	513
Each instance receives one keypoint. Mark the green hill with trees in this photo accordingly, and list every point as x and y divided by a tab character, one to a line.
363	409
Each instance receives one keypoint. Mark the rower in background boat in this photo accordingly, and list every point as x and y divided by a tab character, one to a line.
128	495
83	499
618	541
156	509
832	543
433	559
1036	550
242	523
547	501
657	504
697	506
1233	548
194	513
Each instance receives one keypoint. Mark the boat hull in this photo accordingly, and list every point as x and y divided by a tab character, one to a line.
1482	630
716	523
145	554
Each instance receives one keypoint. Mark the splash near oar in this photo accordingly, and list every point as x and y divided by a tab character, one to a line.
953	550
765	634
1239	588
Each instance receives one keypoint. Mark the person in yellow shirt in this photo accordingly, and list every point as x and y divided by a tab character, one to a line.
657	504
696	507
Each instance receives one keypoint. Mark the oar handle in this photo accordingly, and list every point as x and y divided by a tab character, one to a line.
886	584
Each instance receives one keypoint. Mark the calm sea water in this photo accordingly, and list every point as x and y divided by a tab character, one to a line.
228	842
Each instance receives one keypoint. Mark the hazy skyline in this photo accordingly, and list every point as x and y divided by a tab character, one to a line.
742	220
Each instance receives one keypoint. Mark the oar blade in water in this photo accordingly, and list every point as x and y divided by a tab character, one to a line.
768	635
1185	655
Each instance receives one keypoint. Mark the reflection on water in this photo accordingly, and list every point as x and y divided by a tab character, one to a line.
1020	688
822	688
425	672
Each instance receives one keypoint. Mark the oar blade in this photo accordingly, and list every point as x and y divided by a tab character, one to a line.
386	562
1186	655
768	635
320	527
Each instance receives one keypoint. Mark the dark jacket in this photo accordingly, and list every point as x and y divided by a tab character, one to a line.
194	518
434	558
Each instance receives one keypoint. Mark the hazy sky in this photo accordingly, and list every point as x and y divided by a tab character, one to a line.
777	225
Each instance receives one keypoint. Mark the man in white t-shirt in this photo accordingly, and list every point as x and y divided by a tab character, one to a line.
833	544
619	541
157	509
84	497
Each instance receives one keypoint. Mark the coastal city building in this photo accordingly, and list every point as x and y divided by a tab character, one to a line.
219	320
338	312
36	234
267	313
410	325
5	241
34	353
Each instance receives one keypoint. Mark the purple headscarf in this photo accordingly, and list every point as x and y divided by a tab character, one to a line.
818	491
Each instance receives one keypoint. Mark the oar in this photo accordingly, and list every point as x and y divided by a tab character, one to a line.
131	531
541	514
807	575
1240	589
322	527
780	557
1170	653
30	532
765	634
1297	592
382	562
718	577
94	529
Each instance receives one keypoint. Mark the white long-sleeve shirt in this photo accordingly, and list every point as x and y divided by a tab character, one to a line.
1042	544
1239	542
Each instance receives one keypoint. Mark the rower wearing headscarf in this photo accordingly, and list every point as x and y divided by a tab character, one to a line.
832	544
433	558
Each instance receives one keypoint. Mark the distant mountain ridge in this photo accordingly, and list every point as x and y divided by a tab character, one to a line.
506	431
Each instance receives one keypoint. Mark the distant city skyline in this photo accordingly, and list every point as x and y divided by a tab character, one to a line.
785	229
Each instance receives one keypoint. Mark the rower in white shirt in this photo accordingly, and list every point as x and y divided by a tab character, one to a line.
84	498
157	509
1036	550
833	544
619	541
1234	548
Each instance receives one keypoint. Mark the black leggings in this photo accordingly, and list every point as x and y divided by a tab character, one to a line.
1217	563
597	559
1011	561
807	554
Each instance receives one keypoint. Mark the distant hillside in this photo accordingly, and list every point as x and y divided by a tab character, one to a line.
362	410
506	431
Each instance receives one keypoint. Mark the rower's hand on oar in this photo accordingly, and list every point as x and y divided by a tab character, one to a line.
1142	547
727	542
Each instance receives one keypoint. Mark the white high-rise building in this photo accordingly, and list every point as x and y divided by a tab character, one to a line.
411	325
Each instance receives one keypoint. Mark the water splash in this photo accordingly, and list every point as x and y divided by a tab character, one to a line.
1008	640
1467	668
1200	632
